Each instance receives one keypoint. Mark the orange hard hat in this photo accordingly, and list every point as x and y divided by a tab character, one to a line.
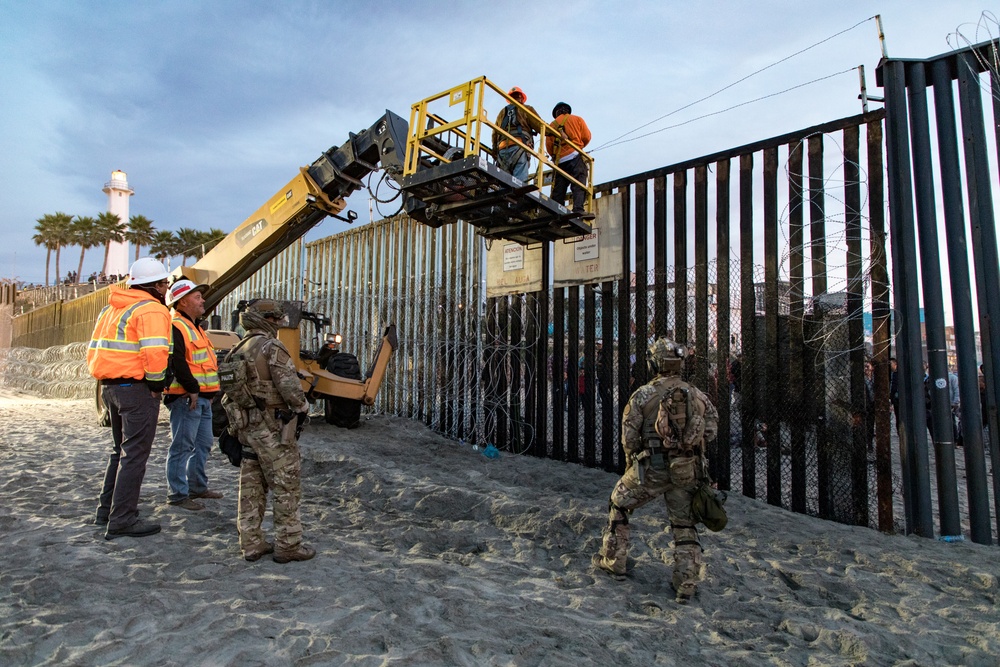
517	91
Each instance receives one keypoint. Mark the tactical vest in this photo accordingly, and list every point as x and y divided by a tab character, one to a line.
245	375
199	355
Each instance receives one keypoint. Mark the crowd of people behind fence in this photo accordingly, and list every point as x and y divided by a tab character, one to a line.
73	278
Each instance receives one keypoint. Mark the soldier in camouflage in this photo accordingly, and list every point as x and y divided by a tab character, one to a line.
270	450
662	462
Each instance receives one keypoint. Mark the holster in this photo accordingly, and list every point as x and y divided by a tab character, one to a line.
657	459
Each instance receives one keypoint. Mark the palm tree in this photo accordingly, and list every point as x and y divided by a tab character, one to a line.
140	232
110	229
163	246
43	237
212	238
190	242
84	235
61	234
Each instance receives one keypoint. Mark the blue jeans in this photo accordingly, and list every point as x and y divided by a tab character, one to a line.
515	160
191	432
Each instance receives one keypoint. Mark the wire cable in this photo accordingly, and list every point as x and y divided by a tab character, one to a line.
716	113
615	141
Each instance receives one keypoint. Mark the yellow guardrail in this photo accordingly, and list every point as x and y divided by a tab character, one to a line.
440	134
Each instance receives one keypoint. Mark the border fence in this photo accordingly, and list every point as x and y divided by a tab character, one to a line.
768	260
925	401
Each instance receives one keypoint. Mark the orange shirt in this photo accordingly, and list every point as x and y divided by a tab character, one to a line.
132	338
576	131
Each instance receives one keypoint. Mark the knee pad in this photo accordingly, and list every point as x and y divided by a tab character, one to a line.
686	535
621	519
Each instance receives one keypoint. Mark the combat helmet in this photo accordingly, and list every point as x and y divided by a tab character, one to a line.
665	356
267	308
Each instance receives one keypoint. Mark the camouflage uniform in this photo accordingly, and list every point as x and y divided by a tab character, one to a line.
676	481
274	460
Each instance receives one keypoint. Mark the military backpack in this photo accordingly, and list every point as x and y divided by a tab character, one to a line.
680	419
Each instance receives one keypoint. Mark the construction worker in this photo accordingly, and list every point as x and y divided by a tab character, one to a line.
129	353
266	425
521	121
189	398
571	133
665	427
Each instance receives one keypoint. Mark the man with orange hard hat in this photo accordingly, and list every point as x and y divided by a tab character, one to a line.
189	398
521	121
129	353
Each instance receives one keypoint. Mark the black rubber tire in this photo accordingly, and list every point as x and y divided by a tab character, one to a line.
343	412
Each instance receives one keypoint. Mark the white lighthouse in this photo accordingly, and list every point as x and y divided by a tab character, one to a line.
118	193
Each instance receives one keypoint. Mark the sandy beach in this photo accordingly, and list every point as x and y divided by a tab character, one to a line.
432	554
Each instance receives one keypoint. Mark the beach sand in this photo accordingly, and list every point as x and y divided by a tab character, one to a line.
432	554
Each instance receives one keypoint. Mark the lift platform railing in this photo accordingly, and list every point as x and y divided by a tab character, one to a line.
435	140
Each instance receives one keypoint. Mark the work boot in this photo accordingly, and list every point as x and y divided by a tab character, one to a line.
188	504
101	519
138	528
304	552
207	493
602	563
685	590
255	554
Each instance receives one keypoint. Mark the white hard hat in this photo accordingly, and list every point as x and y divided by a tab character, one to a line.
181	289
146	270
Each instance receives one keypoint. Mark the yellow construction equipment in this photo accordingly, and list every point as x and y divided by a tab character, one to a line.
445	174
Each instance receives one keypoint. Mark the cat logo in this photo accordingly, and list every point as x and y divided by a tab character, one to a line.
247	234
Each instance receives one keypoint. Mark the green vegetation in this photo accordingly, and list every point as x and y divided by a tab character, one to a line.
56	231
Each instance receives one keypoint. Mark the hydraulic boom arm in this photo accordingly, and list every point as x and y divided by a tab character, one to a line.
316	192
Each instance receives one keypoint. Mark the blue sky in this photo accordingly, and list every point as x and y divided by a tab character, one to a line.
212	107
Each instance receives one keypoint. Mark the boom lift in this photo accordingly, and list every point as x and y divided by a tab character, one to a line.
445	175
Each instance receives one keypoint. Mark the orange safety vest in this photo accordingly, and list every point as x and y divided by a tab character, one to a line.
132	338
199	355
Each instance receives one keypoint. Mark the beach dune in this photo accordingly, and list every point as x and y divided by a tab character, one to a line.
432	554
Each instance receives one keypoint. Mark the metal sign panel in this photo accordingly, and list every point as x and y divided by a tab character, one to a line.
512	268
594	257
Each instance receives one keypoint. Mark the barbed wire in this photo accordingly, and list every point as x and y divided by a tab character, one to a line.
990	25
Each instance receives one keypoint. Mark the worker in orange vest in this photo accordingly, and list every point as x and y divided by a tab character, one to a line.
189	398
521	121
129	353
571	134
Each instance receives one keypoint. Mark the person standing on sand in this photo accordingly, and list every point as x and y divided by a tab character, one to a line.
671	467
270	457
129	353
189	399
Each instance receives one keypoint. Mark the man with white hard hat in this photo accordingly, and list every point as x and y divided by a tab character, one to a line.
129	353
189	398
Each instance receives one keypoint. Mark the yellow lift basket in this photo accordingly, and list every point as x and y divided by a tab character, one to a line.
451	169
